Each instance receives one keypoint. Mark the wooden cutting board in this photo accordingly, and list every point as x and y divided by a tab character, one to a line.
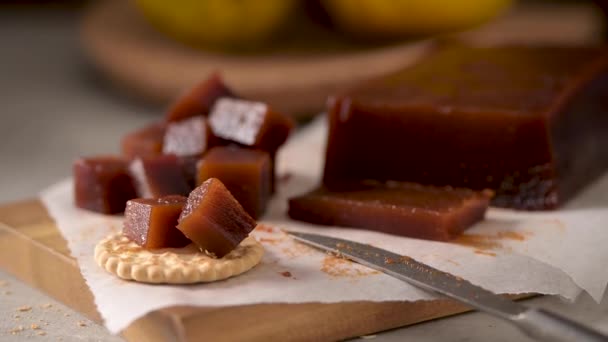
297	74
34	251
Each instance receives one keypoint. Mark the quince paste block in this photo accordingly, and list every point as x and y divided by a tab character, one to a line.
214	220
188	137
251	124
246	173
412	210
198	100
102	184
150	222
529	123
144	142
159	176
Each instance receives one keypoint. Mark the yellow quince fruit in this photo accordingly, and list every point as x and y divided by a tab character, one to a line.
402	18
218	23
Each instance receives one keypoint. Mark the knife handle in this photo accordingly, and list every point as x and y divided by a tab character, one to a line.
543	325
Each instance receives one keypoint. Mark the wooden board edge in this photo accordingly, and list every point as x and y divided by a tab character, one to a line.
295	322
60	278
341	320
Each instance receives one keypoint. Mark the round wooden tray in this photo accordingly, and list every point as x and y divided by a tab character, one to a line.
297	76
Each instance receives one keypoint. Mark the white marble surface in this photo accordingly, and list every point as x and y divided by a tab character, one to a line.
53	108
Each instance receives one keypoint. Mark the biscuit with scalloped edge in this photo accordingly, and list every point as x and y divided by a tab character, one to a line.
127	260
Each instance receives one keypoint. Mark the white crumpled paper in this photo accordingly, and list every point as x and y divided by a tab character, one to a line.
559	253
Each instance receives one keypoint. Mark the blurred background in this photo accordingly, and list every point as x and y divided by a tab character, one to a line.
75	76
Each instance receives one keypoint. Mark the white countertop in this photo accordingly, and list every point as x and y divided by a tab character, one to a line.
53	108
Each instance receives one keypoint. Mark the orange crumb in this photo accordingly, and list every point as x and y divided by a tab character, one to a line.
16	330
264	228
557	223
24	308
340	267
484	242
511	235
269	241
297	250
389	261
477	241
485	253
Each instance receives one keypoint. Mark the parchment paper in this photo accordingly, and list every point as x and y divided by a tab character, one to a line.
559	253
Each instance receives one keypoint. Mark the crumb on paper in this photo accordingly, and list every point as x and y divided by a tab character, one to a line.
16	316
264	228
66	314
556	223
335	266
482	252
478	241
296	250
6	293
285	274
35	326
269	241
518	236
41	333
46	305
81	323
24	308
453	262
489	242
16	330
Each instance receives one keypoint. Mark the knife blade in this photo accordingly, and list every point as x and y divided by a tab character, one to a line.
536	323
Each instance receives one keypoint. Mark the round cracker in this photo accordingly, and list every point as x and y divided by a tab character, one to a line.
127	260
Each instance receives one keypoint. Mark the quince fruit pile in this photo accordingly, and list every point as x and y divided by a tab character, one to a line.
218	23
251	23
403	18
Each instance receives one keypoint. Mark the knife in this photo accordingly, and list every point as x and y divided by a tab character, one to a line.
537	323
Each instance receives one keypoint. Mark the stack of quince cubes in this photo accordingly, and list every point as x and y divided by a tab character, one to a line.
251	23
